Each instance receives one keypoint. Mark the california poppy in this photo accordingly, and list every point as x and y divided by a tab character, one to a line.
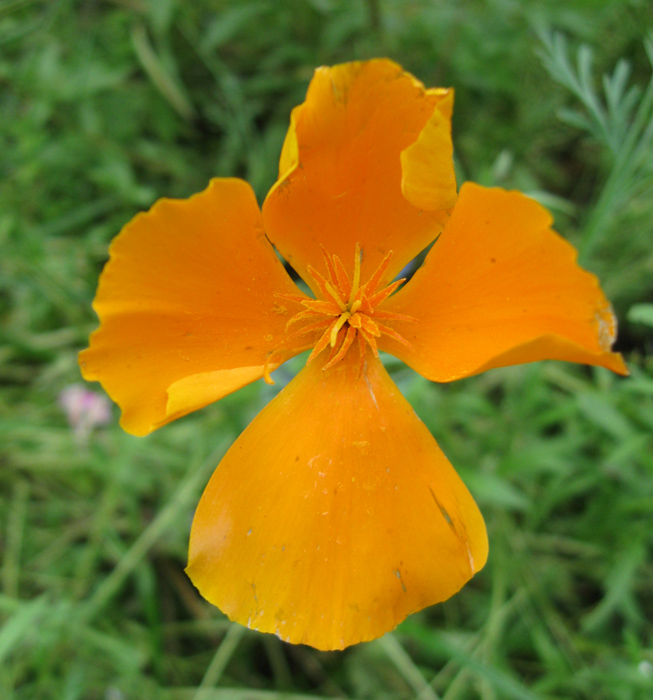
335	514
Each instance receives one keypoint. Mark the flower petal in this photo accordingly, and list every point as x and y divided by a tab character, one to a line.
498	288
188	308
335	514
428	180
340	175
290	149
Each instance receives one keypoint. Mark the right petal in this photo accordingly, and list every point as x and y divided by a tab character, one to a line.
499	288
187	307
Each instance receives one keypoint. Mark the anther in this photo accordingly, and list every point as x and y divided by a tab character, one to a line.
357	273
338	325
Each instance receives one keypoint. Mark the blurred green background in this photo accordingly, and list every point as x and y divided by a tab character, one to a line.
106	106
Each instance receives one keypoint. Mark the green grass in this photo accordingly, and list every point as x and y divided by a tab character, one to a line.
106	106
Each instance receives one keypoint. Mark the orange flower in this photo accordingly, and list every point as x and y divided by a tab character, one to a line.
335	514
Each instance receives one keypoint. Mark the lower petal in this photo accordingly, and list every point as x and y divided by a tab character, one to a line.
335	514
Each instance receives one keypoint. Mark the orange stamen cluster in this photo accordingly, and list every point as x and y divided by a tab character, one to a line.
347	311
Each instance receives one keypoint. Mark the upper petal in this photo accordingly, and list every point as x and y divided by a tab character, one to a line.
367	159
187	306
499	287
335	514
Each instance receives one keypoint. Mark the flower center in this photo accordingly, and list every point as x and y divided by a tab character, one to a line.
348	310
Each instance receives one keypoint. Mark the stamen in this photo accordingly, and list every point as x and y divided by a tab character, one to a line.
345	313
369	326
338	325
339	341
346	343
330	267
392	316
321	343
301	316
371	286
318	325
357	274
326	288
361	350
371	341
343	278
377	298
323	307
366	307
386	330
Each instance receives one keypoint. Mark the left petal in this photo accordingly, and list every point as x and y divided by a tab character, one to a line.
187	307
367	159
335	514
498	288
